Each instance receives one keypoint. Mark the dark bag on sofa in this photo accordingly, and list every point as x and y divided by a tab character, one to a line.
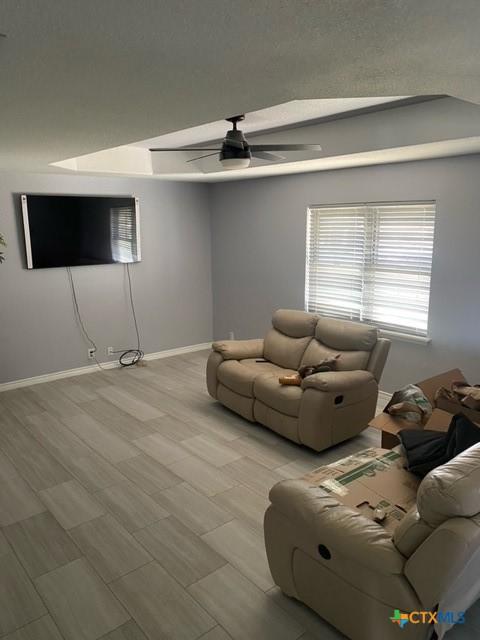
426	449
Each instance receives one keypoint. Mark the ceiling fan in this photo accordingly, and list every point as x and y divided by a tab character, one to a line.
236	153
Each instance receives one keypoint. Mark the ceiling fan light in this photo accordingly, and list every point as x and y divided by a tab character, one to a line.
235	163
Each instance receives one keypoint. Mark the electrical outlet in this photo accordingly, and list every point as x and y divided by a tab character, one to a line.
231	335
110	351
91	353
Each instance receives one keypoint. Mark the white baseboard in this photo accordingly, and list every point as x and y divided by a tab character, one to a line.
383	398
168	353
68	373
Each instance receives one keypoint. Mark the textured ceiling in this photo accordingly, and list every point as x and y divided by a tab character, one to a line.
291	113
79	76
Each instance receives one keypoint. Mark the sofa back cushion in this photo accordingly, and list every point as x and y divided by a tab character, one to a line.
290	335
352	340
344	335
293	323
451	490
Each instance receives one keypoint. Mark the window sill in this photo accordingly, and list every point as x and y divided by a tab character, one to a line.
404	337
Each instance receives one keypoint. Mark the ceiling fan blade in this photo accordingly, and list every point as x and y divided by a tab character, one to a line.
285	147
208	155
265	155
189	149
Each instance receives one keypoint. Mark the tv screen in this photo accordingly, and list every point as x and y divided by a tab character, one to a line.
69	231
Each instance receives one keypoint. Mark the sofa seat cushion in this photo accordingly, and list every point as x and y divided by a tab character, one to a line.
283	398
239	375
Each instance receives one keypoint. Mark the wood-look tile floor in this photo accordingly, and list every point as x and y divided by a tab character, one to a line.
131	508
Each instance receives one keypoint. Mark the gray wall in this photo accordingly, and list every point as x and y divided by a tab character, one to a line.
257	261
258	253
172	284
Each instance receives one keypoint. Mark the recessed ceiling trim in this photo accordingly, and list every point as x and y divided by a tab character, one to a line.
286	115
408	126
383	106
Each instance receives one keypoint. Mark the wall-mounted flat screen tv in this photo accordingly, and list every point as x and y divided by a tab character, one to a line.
70	231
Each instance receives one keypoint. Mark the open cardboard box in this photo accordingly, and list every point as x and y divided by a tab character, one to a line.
441	415
377	477
369	479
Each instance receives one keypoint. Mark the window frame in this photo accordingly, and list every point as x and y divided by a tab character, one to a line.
390	333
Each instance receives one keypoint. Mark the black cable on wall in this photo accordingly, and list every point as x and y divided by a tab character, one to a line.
132	356
128	357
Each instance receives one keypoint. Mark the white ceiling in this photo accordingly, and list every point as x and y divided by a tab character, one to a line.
81	76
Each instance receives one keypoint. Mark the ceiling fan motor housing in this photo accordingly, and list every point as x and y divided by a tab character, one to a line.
234	146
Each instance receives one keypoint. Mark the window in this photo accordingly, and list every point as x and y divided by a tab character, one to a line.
123	233
372	262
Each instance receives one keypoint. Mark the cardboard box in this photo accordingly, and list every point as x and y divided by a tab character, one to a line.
370	478
441	415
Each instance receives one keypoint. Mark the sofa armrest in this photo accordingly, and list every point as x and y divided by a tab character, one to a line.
337	381
343	530
239	349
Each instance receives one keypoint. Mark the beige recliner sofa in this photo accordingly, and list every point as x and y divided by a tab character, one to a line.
329	407
354	573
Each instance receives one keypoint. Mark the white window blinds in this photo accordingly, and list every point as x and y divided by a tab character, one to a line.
123	233
372	262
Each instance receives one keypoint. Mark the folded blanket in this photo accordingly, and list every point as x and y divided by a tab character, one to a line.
426	449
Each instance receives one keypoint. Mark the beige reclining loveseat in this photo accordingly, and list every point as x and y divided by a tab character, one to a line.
355	574
329	407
